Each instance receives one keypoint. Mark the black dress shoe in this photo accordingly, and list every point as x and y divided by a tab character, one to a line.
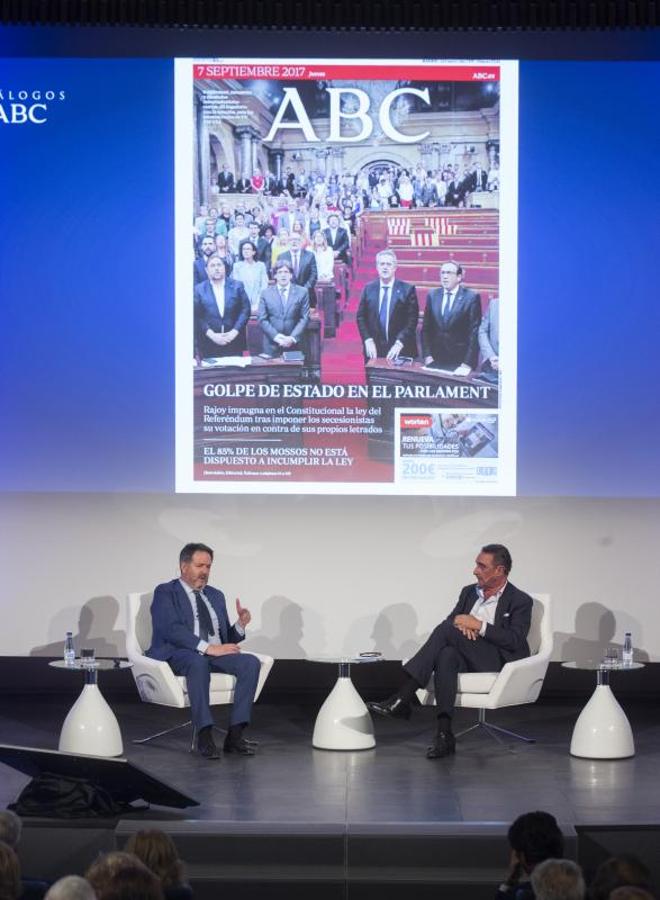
241	746
394	708
443	745
206	744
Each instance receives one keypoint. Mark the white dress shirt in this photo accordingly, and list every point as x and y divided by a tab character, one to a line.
202	646
219	294
485	608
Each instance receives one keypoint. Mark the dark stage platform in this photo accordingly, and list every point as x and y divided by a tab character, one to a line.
354	824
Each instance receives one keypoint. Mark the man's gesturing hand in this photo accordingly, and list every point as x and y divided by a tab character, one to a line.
244	616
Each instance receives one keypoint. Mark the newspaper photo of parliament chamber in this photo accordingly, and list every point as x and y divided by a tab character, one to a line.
346	241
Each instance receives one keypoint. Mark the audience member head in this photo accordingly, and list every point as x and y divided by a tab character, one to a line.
157	851
10	874
535	836
10	828
619	871
121	876
629	892
558	879
71	887
239	220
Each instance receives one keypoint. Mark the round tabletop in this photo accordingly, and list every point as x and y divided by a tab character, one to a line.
79	665
347	660
596	667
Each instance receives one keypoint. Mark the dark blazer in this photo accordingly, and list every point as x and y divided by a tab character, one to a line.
477	181
453	340
341	243
226	182
265	252
404	313
307	273
174	623
237	313
275	320
199	270
455	193
512	620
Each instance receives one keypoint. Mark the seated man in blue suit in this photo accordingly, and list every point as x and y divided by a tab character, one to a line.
191	631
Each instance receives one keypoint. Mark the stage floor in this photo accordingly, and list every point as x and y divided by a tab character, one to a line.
392	785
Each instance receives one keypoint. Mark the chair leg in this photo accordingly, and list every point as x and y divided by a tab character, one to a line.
513	734
467	730
158	734
494	731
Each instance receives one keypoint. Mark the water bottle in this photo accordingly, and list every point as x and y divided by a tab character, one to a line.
627	655
69	652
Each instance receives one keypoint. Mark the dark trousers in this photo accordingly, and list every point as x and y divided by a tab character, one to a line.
197	669
446	653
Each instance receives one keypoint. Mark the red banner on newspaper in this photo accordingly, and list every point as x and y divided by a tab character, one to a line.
322	72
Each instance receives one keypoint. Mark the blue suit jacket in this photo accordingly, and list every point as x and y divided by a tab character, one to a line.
174	623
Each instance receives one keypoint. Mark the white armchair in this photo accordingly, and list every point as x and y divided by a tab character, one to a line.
155	680
517	683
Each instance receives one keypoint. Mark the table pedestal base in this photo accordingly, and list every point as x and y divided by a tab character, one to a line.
602	731
91	727
343	722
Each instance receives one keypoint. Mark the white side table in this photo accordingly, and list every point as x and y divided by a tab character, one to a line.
91	727
343	722
602	730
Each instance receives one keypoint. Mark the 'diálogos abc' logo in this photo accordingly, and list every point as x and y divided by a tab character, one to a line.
27	107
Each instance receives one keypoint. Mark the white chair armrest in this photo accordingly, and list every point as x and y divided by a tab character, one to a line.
266	666
156	682
519	681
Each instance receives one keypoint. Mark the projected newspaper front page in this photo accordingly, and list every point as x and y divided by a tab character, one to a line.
346	276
